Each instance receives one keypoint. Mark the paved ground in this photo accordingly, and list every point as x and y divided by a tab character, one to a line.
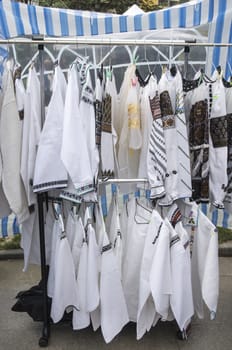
18	331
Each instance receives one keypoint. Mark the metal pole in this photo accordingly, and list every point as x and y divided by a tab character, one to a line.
110	42
186	57
43	341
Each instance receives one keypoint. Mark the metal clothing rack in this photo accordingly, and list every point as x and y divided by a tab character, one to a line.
41	197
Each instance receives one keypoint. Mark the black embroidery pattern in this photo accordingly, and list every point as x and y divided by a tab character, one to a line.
165	104
98	121
51	184
198	124
189	85
155	106
199	151
106	117
218	131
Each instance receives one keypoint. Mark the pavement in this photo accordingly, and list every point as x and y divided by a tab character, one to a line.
19	331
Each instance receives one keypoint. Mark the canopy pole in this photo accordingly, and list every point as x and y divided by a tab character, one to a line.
43	341
109	42
186	58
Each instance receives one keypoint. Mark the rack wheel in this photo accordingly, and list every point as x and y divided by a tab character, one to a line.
43	342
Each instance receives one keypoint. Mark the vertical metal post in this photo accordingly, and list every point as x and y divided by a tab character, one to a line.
186	58
43	341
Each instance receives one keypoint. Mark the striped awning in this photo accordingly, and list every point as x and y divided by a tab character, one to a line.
18	20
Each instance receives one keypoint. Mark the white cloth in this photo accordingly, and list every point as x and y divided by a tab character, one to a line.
71	226
228	196
146	307
31	133
93	294
77	242
10	146
130	141
4	205
65	291
87	114
108	136
56	234
218	177
49	169
30	239
138	222
178	177
74	150
114	315
20	94
81	317
160	274
205	265
181	299
146	123
114	231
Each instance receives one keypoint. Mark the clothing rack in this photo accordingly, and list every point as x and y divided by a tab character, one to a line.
41	197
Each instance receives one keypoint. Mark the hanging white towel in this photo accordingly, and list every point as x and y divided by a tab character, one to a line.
205	264
81	317
130	140
181	299
146	307
114	315
56	234
71	226
160	274
49	169
108	136
93	296
74	150
30	239
218	144
65	291
10	146
78	241
138	222
31	133
87	114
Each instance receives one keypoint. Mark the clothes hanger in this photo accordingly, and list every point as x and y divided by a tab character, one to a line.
173	70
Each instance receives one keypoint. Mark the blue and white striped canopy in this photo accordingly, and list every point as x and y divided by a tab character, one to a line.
18	19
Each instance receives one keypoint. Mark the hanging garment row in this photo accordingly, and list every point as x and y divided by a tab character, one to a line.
140	132
140	271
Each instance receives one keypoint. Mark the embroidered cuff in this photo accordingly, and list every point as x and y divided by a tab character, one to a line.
157	192
50	185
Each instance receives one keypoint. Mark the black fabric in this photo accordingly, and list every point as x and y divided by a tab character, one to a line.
31	302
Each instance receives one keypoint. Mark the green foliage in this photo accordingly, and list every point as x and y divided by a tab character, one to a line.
111	6
224	234
10	243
